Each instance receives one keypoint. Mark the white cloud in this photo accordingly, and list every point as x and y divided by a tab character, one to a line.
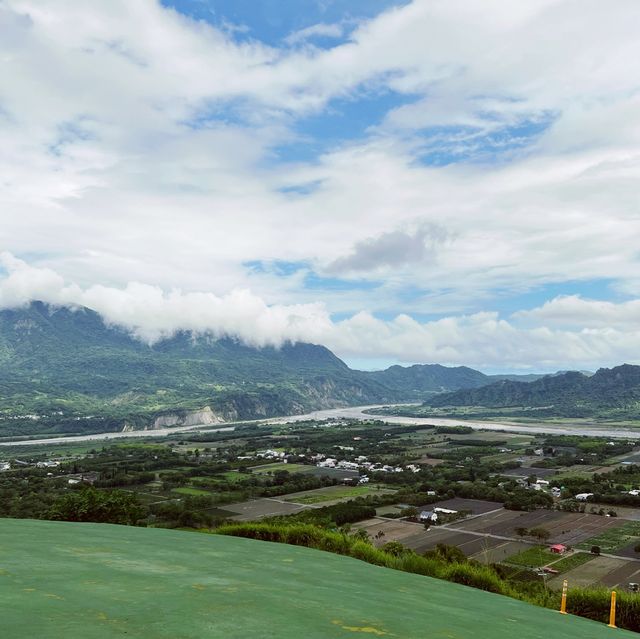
573	310
482	339
317	30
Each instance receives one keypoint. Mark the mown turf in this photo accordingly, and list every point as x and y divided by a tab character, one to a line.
95	581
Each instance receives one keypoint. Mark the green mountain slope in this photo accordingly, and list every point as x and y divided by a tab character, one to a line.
415	380
608	392
76	374
98	581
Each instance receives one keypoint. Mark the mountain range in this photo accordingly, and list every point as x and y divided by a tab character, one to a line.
65	370
610	392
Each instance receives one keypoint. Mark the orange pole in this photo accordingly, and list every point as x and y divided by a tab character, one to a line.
612	612
563	604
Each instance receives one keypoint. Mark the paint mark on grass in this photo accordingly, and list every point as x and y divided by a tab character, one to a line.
365	629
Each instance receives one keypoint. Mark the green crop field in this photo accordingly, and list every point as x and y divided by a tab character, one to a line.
572	561
534	557
614	538
97	581
331	493
193	492
272	468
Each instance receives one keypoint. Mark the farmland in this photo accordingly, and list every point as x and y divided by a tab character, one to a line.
615	538
336	493
200	480
533	557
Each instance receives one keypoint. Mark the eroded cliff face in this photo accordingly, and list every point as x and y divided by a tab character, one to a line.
204	417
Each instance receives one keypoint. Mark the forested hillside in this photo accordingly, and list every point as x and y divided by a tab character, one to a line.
609	392
63	369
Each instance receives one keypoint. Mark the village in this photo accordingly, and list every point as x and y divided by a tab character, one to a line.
542	507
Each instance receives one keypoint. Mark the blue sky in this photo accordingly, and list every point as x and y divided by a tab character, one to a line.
272	21
416	181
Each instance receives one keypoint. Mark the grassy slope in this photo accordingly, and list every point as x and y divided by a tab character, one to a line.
96	581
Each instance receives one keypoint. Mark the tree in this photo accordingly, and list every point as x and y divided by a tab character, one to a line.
103	506
521	531
540	533
395	548
595	550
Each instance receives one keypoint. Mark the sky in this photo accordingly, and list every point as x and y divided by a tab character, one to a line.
418	181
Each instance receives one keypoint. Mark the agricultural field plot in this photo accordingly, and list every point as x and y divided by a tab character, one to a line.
571	561
495	523
512	441
476	506
578	472
383	511
333	473
428	461
394	530
424	540
258	508
336	494
623	512
630	572
634	458
593	572
500	552
230	475
576	528
266	469
565	528
532	557
191	492
629	550
469	544
614	538
526	471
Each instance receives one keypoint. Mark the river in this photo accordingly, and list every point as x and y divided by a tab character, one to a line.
356	412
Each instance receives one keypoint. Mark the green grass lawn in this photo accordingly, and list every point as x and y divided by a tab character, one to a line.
95	581
534	557
615	538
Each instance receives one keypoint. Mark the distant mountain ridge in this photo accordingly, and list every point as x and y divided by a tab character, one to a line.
609	391
64	369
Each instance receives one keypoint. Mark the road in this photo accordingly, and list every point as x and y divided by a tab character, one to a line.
356	412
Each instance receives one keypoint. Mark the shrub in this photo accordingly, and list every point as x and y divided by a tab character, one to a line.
477	577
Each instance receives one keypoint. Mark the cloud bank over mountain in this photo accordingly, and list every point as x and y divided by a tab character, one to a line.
481	339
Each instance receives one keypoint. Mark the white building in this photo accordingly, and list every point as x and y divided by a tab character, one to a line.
346	465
